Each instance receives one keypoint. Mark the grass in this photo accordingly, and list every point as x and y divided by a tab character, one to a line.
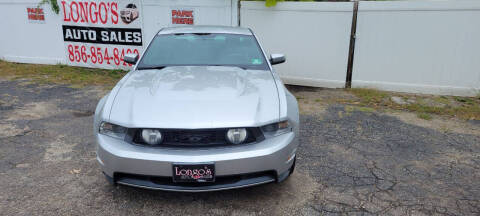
464	100
358	108
365	109
441	99
467	108
369	96
425	116
61	74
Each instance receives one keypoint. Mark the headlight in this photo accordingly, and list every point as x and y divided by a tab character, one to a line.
237	135
152	136
277	128
112	130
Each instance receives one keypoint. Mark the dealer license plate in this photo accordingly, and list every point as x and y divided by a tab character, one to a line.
194	172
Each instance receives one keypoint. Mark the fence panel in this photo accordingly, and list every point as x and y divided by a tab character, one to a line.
42	42
420	47
27	41
314	36
158	14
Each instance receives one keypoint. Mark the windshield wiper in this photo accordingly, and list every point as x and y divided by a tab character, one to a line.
244	68
158	67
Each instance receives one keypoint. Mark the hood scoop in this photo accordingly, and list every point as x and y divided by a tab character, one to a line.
196	97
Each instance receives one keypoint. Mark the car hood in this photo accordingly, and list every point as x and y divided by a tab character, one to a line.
196	97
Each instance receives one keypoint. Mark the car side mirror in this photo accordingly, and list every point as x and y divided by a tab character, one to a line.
277	59
130	58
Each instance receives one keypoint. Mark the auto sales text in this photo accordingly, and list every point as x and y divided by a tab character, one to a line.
121	36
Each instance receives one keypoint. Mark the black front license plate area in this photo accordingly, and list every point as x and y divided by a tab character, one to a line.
194	172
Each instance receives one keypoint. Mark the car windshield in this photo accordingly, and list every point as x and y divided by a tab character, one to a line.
200	49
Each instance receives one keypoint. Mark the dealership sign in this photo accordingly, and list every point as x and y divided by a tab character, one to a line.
99	33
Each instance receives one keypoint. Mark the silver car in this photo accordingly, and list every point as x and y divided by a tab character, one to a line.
202	110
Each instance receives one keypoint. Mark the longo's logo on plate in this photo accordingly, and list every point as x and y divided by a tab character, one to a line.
193	173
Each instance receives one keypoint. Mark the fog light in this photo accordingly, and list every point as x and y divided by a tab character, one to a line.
237	135
152	136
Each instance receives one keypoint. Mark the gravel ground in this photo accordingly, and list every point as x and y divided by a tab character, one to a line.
351	162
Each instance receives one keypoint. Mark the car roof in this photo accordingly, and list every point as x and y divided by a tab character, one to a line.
205	29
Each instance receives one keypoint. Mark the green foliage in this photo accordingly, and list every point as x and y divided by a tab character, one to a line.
369	96
53	4
270	3
425	116
467	108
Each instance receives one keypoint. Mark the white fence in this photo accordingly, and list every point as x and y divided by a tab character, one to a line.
313	35
411	46
42	43
22	41
208	12
425	47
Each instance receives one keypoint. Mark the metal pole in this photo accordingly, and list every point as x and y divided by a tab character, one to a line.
238	12
351	52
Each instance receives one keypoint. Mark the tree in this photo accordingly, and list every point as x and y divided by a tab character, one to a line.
53	4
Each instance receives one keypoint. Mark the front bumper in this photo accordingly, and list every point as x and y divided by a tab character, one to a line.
238	166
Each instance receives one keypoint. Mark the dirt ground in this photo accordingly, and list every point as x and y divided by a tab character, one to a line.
352	161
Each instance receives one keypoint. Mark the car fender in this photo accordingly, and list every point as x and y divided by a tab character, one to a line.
292	110
102	111
98	111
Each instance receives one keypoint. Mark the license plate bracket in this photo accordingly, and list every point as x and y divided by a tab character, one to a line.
187	172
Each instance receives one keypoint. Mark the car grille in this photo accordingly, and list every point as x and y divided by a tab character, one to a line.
195	137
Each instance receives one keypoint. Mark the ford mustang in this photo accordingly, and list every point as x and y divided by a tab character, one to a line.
201	110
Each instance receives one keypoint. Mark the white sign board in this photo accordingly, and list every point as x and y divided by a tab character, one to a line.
98	33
